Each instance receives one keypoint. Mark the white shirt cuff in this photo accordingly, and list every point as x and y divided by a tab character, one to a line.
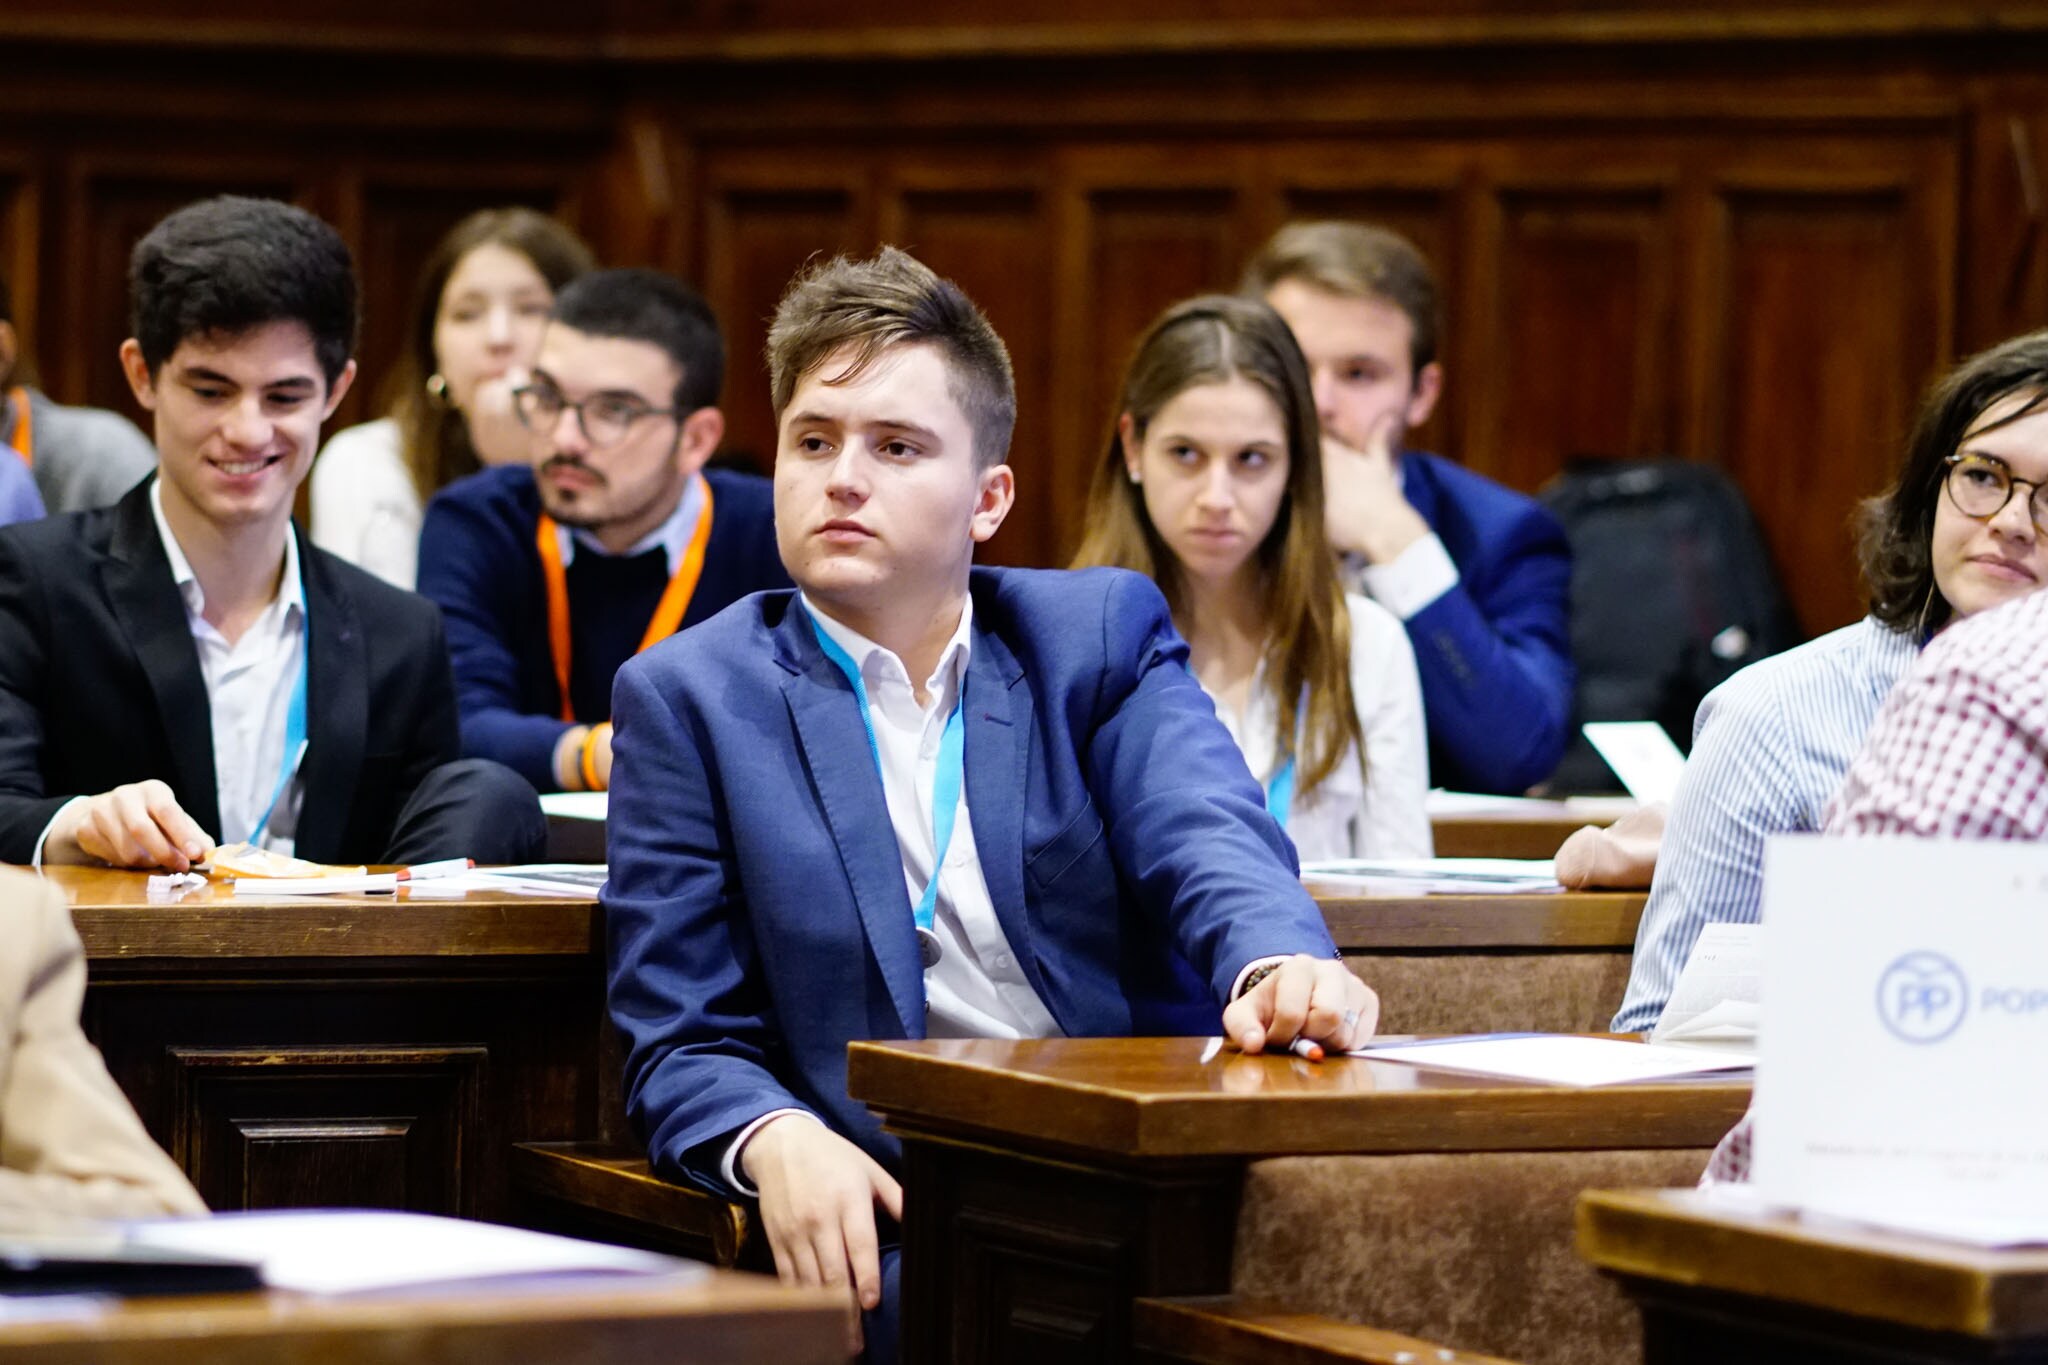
36	860
729	1165
1237	986
1417	577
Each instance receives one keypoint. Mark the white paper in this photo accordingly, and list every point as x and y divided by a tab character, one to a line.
260	888
1899	1080
576	805
1641	754
1592	809
1558	1059
348	1251
1722	975
1468	875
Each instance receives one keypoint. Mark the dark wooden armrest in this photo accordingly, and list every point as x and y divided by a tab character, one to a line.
1226	1330
596	1189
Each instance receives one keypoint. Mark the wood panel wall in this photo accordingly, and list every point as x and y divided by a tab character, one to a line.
1745	233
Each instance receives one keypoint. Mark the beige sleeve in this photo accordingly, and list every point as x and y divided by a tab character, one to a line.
70	1143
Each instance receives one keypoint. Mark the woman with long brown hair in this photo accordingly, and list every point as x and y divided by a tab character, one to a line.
482	299
1212	486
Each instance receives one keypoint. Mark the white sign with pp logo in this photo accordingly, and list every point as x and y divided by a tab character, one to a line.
1902	1066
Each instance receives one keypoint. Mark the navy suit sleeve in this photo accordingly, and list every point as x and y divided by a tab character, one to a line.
1494	653
463	568
25	808
1187	825
687	988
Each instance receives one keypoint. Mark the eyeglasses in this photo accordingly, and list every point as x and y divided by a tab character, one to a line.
1981	486
605	419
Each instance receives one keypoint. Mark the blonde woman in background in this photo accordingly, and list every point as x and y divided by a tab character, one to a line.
482	300
1212	486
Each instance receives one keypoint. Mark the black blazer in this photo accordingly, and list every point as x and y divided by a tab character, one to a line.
100	685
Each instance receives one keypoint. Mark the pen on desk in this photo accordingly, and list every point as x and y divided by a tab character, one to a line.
1308	1048
447	867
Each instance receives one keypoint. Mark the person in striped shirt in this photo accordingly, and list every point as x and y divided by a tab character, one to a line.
1961	531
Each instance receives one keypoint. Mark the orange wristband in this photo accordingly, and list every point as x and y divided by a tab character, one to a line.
588	759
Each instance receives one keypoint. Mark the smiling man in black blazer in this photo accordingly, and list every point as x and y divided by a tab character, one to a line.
182	668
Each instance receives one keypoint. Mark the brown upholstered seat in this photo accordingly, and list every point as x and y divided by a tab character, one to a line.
1474	1250
1495	991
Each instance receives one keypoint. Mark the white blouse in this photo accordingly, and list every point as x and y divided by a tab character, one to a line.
365	508
1373	810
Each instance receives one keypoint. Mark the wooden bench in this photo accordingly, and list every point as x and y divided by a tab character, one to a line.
1224	1330
597	1190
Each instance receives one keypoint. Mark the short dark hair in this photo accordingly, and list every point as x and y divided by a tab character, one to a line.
1355	260
226	265
894	299
646	305
1895	530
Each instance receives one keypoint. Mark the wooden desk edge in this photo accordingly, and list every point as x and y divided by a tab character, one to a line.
1674	1237
1097	1122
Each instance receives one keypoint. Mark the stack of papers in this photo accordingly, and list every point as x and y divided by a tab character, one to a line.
349	1251
576	805
1557	1059
1410	875
1715	999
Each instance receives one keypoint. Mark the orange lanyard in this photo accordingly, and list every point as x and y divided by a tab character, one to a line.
668	613
19	438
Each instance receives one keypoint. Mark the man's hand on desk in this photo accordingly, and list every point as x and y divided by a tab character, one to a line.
1315	998
818	1196
140	825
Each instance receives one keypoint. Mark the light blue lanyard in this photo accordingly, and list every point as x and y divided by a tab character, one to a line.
294	732
946	783
1280	792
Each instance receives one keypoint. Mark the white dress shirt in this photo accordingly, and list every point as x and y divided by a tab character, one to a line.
365	507
1373	810
249	690
977	989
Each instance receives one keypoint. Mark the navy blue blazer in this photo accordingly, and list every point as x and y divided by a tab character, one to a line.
1494	652
478	562
757	915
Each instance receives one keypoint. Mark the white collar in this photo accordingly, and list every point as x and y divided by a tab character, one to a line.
291	593
673	535
879	661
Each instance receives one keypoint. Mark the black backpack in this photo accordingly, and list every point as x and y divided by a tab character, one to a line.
1672	591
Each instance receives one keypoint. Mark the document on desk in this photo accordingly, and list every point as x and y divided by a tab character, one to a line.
1641	755
1466	875
1557	1059
556	880
1450	804
356	1251
1715	999
576	805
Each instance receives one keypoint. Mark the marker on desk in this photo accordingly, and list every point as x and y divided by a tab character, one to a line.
446	867
1307	1048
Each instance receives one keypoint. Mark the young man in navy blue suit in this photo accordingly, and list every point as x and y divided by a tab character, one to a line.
790	774
1481	574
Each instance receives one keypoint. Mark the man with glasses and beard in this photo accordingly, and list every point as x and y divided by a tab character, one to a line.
553	574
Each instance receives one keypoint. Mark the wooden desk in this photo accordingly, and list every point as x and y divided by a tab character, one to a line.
1048	1184
1508	834
720	1319
1769	1289
367	1051
1545	963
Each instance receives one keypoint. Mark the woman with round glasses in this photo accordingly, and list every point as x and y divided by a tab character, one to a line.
478	310
1959	532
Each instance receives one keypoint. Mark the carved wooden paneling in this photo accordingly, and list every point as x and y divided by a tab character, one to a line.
763	219
991	235
312	1127
108	210
1817	293
1576	356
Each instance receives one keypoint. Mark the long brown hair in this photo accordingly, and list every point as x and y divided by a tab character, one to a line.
1211	340
434	437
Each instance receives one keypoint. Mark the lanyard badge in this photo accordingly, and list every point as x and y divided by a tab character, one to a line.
294	734
946	784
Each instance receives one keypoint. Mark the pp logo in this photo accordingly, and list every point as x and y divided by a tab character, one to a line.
1922	997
